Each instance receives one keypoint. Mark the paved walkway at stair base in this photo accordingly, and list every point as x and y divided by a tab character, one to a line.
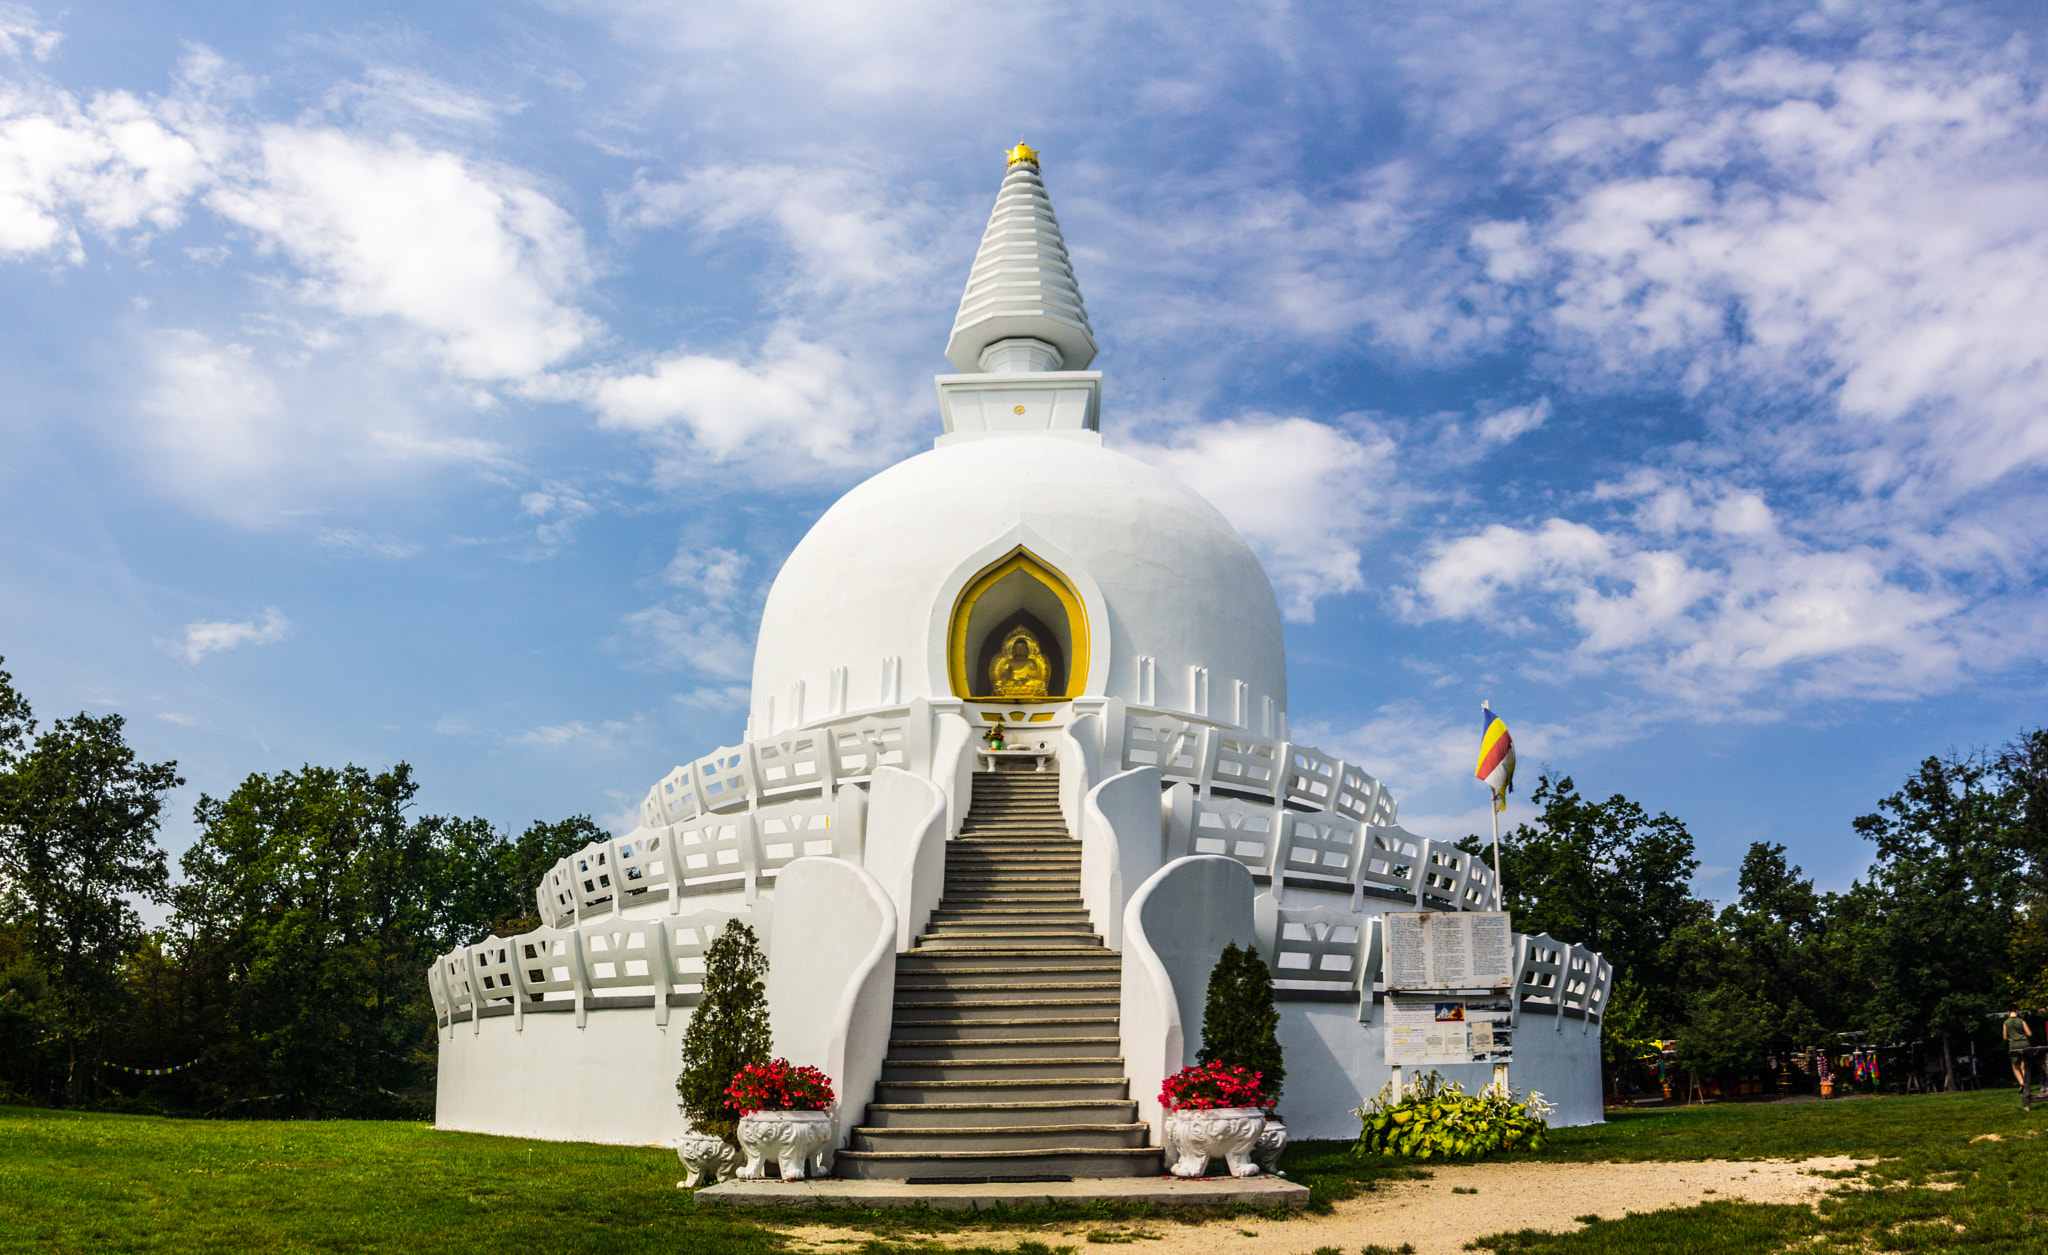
962	1196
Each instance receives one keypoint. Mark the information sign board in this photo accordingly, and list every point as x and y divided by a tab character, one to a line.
1440	950
1430	1031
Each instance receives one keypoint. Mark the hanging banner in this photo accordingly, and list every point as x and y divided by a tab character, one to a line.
1442	950
1434	1031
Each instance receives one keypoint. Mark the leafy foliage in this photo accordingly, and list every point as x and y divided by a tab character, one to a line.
728	1032
1240	1024
79	815
1431	1118
779	1086
1207	1086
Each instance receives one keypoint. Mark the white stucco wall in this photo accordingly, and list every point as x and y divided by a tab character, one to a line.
613	1080
887	560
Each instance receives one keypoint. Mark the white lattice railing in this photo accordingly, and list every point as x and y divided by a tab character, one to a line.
566	969
1242	764
712	853
1322	952
804	762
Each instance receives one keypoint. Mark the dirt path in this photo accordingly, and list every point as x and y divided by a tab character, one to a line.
1429	1214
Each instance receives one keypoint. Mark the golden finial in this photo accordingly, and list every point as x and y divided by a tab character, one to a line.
1023	152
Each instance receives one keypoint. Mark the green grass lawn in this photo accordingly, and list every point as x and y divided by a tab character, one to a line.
89	1182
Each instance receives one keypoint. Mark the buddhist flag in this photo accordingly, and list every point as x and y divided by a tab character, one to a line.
1496	769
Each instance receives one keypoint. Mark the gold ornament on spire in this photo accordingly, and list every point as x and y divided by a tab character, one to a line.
1023	152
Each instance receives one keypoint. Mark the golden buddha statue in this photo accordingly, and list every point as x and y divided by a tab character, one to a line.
1019	669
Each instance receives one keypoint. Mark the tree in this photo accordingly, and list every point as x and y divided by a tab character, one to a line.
488	882
1606	875
307	903
1240	1024
1948	876
728	1030
79	815
1724	1035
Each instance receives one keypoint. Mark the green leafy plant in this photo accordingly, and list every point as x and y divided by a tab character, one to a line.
1435	1119
729	1031
1240	1025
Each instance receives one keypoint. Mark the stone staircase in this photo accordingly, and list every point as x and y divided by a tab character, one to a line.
1003	1060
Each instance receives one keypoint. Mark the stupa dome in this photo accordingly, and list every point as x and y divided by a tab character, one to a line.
1171	601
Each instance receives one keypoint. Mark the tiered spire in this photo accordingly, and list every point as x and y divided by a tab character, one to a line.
1022	310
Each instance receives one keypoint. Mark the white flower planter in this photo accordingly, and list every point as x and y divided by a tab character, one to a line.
1193	1138
706	1159
793	1140
1266	1151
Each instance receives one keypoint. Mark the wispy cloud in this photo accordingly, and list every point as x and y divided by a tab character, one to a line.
218	636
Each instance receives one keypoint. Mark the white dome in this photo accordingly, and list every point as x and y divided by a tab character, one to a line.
1161	574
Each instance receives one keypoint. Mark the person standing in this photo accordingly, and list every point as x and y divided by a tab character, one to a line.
2019	1036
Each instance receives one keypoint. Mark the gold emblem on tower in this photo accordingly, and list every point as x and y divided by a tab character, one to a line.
1023	152
1019	669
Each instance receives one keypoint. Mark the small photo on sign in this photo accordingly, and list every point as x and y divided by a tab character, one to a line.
1450	1012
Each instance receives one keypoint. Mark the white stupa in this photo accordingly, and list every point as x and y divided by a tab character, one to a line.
1017	768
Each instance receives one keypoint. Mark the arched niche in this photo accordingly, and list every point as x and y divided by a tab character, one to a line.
1018	591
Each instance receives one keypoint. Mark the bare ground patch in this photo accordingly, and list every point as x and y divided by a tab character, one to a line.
1438	1216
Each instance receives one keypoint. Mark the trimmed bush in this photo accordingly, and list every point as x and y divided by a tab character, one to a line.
1240	1025
728	1032
1434	1119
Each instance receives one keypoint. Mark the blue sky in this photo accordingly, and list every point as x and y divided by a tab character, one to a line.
448	383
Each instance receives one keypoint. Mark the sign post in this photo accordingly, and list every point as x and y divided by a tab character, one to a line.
1449	990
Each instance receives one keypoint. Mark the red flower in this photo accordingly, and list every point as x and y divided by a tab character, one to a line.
779	1086
1205	1087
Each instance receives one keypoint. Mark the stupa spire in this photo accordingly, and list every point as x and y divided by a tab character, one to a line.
1022	309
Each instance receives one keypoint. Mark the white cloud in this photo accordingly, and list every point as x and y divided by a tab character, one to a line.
604	736
1507	425
202	639
22	33
349	540
1303	494
471	255
797	396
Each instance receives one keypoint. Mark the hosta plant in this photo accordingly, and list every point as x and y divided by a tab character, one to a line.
779	1086
1207	1086
1432	1118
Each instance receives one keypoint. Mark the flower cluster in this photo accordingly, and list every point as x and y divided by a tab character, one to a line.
1209	1085
777	1086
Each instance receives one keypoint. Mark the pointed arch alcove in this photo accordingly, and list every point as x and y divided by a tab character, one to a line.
1019	590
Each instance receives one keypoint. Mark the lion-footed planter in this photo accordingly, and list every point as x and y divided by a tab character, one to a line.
1266	1151
707	1159
1193	1138
793	1140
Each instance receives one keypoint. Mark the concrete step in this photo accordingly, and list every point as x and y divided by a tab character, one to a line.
1019	897
962	883
1010	915
1003	1114
982	991
1077	1163
1000	925
976	983
1059	1006
1023	1089
1096	1067
984	940
1008	958
923	1049
939	1027
952	1138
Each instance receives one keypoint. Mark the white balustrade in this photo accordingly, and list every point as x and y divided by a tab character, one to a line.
1241	762
1393	859
1319	948
1323	845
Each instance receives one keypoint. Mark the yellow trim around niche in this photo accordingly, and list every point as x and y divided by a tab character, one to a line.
1019	559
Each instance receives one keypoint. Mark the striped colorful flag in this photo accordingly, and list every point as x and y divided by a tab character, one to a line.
1496	769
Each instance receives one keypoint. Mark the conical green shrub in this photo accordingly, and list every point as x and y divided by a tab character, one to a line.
728	1031
1240	1024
